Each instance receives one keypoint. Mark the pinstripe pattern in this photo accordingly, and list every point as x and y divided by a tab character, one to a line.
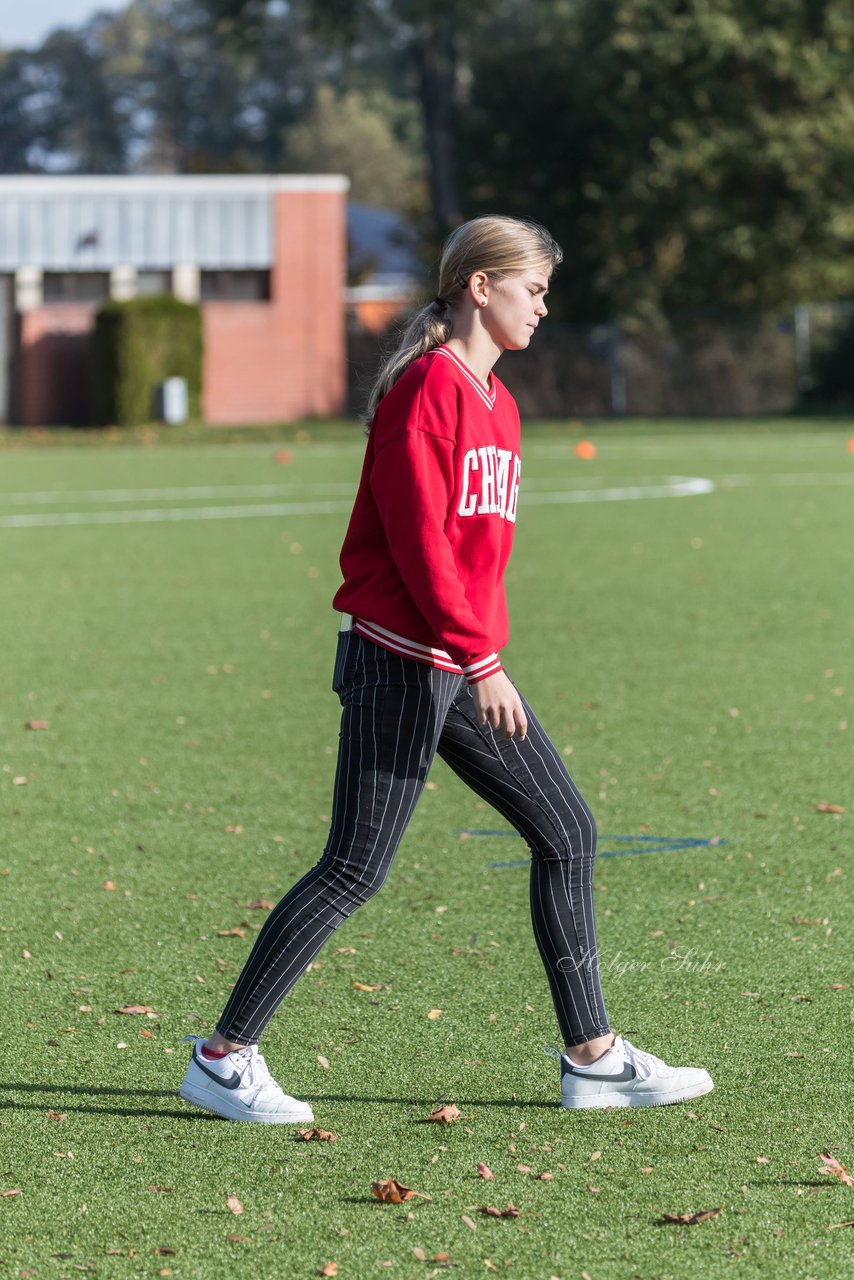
397	715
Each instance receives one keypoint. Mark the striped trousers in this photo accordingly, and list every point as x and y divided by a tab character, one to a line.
397	715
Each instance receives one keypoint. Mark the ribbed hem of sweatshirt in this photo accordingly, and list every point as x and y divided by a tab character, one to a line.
478	669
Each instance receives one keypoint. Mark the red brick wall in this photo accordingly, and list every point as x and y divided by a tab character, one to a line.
52	380
285	359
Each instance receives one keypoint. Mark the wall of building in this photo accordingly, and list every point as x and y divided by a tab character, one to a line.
52	373
282	359
285	358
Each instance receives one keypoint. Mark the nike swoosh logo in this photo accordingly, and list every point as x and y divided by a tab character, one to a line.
628	1073
230	1082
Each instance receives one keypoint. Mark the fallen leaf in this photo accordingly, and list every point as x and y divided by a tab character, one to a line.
490	1266
56	1115
324	1062
837	1169
833	1226
391	1192
545	1177
523	1168
690	1219
153	1188
491	1212
26	955
647	1168
20	782
419	1254
134	1008
260	904
164	1251
234	1204
824	807
108	885
362	986
330	1269
763	1160
231	933
36	724
441	1115
434	1014
321	1135
13	1191
484	1171
470	1222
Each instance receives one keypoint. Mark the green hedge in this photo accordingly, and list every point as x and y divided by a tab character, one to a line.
135	345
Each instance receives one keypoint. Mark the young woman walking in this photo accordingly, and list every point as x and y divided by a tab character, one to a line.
418	672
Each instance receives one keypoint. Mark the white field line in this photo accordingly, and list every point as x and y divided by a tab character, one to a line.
676	487
54	497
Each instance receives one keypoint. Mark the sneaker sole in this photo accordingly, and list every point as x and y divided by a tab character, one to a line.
599	1101
203	1099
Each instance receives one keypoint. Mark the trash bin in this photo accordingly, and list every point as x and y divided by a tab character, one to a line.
171	402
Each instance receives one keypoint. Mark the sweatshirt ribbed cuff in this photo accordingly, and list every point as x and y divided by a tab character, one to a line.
488	665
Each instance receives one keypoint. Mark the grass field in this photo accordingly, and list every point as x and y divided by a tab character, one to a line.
690	655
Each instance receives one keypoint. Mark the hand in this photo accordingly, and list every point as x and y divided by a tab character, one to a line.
498	702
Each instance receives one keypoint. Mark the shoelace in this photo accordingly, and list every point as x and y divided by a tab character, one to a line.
255	1072
645	1063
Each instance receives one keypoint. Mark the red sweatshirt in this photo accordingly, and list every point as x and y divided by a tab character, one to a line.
432	526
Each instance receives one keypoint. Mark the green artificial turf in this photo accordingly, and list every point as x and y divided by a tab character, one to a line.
692	658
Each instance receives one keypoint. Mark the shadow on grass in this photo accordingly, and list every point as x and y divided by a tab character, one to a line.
64	1097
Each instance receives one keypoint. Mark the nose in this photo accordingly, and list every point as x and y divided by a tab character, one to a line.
541	308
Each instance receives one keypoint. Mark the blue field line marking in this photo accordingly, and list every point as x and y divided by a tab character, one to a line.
651	844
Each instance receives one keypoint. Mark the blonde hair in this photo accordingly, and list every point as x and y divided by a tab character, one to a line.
495	244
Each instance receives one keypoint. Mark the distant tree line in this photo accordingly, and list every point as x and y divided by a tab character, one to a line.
688	154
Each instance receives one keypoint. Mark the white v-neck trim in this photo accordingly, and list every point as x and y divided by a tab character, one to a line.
487	396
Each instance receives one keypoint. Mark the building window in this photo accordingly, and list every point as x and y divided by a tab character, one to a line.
235	286
151	283
76	286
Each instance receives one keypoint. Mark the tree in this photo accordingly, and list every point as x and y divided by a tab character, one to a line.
690	153
344	133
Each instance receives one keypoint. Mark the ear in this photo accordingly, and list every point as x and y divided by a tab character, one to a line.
479	288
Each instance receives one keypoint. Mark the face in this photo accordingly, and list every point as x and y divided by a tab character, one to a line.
514	307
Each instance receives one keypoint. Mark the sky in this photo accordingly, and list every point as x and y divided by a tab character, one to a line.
27	24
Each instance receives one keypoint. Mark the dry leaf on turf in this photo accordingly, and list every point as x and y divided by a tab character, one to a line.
320	1135
837	1169
164	1251
470	1222
231	933
390	1191
824	807
234	1204
153	1188
331	1269
363	986
56	1115
135	1008
484	1171
36	724
13	1191
260	904
833	1226
690	1219
324	1062
441	1115
434	1014
491	1212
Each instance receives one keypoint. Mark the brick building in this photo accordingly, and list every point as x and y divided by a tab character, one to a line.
266	256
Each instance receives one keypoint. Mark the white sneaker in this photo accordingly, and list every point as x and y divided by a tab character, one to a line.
239	1086
627	1077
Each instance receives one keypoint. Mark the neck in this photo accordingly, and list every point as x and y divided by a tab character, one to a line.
474	346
